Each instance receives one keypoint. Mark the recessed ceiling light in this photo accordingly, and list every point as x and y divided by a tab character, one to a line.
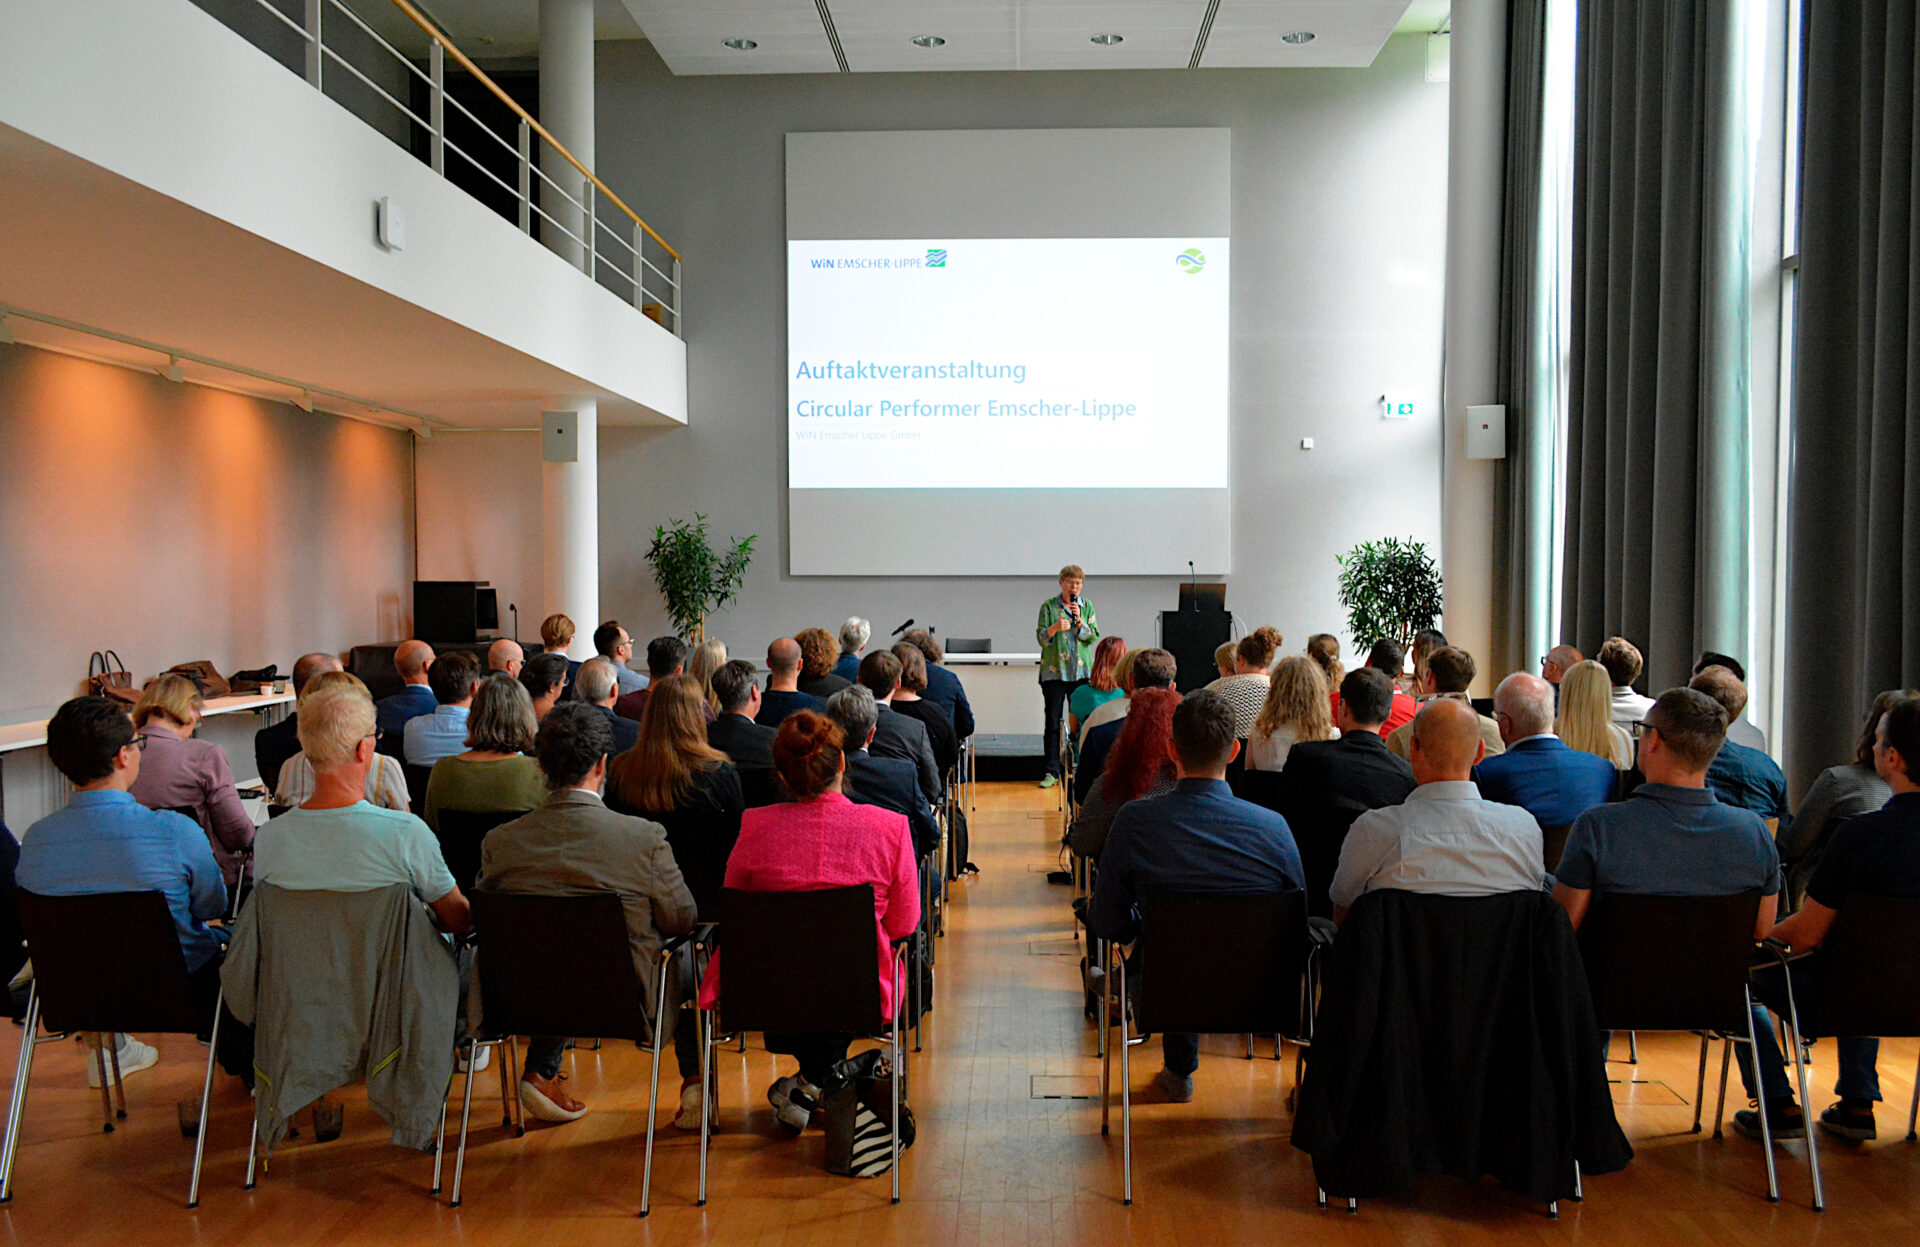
740	45
928	41
1297	36
1106	40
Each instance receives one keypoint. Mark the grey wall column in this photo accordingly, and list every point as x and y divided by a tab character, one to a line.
566	110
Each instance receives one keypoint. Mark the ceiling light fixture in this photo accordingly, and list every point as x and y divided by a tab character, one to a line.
740	45
928	41
1297	36
173	371
1106	40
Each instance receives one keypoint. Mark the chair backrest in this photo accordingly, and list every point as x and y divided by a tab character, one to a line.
968	645
558	965
417	777
108	962
800	961
1871	960
1260	787
1222	964
461	833
760	785
1553	843
1664	963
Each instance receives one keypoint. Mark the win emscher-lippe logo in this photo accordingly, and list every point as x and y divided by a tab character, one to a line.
936	257
1191	260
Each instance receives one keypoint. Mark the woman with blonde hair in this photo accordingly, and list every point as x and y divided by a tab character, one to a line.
1586	715
707	657
674	777
386	781
1297	709
178	772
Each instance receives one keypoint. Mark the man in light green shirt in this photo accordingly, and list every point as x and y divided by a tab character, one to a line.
1067	632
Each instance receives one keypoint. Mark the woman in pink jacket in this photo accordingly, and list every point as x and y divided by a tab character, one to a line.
821	840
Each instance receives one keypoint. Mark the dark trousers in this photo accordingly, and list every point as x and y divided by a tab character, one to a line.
235	1049
817	1054
546	1052
1056	692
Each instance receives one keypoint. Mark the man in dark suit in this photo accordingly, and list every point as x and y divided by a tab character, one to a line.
783	695
272	746
596	684
897	735
748	745
1152	668
889	783
1538	772
1329	783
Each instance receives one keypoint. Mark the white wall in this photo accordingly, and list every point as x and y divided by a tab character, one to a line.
480	519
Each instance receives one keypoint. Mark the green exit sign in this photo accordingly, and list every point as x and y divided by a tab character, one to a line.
1397	405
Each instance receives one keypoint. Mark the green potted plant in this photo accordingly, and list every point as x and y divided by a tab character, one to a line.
692	576
1390	588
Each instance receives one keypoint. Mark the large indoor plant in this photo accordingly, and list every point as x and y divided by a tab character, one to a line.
1390	588
692	576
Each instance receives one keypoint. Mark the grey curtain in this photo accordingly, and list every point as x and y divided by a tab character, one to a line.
1657	477
1853	598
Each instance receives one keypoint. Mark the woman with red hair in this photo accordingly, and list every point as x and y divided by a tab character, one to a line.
1140	765
1101	686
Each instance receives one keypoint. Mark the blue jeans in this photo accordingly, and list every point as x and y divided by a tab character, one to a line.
1859	1076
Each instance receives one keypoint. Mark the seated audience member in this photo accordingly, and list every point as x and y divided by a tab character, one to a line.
705	659
1199	838
615	644
854	635
891	783
675	778
545	679
103	840
1447	673
595	684
1586	715
943	686
1741	731
1876	853
909	699
1329	783
505	657
1556	662
1623	665
666	655
783	695
1223	657
1324	649
818	655
1102	685
1741	775
556	636
573	844
1246	689
898	735
1296	709
1152	668
1140	764
431	737
1425	642
1838	794
386	782
412	661
1114	708
822	840
181	773
1539	772
747	744
272	746
495	773
1445	838
1388	659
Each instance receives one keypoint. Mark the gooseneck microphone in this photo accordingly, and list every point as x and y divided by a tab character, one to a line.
516	622
903	627
1195	577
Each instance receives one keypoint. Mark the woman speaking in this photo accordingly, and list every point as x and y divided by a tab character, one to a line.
1067	632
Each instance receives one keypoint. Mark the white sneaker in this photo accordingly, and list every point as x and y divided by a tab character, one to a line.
793	1101
688	1118
460	1060
134	1057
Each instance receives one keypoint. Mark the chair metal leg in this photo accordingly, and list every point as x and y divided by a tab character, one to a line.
1579	1191
1913	1113
1806	1103
1633	1047
519	1123
1720	1101
1249	1046
1353	1206
653	1094
1700	1084
1106	1049
704	1025
1760	1089
253	1139
16	1108
106	1080
440	1144
899	1076
1553	1209
1126	1085
1320	1196
466	1120
206	1101
119	1085
508	1092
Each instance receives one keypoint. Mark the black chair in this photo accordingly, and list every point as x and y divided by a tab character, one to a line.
417	777
1260	787
109	962
1676	963
1553	842
563	965
1209	965
770	938
461	833
760	786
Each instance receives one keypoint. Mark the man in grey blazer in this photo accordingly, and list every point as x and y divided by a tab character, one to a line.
575	844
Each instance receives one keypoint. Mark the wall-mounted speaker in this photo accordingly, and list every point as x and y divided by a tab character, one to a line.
560	436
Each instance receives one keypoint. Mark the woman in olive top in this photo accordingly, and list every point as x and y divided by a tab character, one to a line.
494	774
1066	632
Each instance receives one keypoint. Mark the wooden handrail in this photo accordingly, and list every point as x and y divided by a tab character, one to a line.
420	20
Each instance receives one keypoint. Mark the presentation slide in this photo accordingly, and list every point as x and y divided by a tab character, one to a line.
1007	363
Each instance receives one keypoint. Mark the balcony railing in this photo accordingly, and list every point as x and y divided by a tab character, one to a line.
570	209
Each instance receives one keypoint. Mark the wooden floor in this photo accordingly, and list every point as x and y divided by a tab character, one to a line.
994	1163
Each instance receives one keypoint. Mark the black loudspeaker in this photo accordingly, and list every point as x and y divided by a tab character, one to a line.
1191	637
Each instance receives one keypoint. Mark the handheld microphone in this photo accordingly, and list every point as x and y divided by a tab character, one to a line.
903	627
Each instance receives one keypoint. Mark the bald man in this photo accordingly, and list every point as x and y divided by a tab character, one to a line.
783	695
1445	839
272	746
506	655
1557	662
411	660
1538	772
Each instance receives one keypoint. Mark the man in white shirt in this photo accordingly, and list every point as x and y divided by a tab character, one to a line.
615	644
1623	663
1445	839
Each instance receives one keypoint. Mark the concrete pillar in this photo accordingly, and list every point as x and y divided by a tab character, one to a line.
570	513
566	110
1476	142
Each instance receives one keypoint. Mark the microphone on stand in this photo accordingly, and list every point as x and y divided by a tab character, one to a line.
903	627
516	622
1196	584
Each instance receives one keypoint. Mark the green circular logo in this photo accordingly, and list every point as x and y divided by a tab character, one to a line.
1190	260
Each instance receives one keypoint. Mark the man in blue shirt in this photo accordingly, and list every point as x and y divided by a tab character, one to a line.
1538	772
1199	838
431	737
413	660
1741	775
